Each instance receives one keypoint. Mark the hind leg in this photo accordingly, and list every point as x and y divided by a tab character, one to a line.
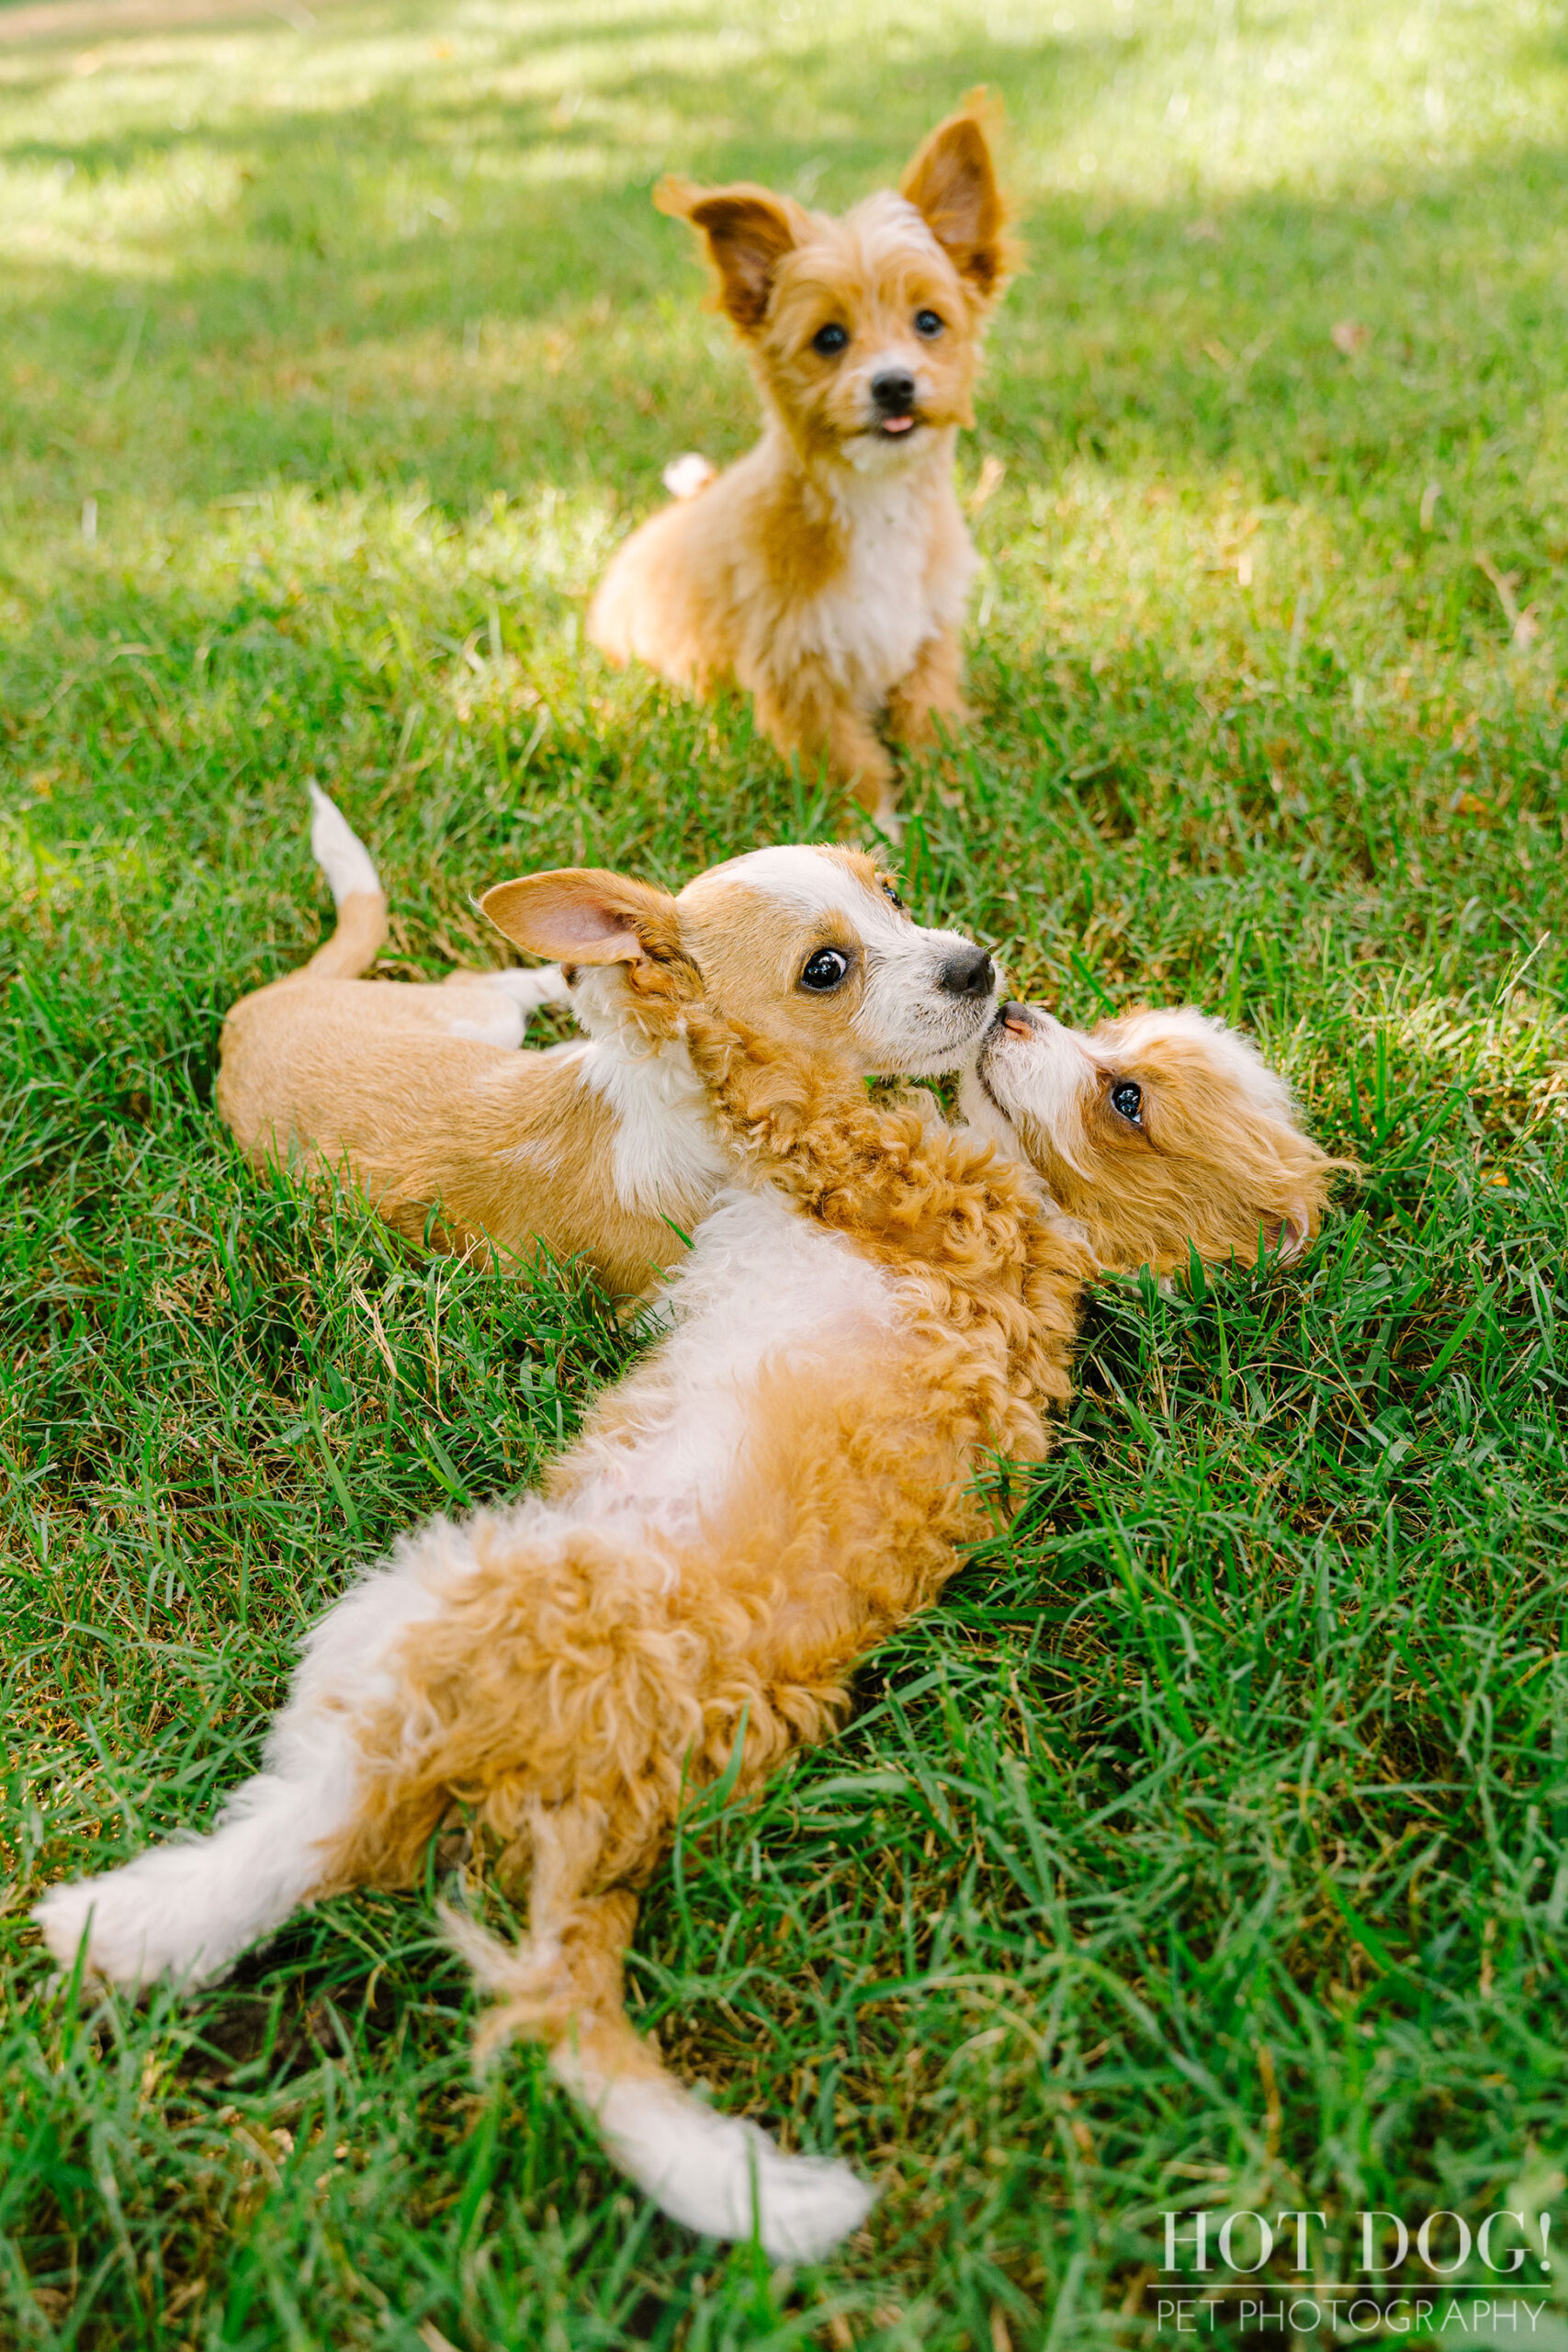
190	1908
717	2174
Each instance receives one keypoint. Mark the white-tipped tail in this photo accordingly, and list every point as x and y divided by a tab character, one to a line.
688	476
718	2174
339	851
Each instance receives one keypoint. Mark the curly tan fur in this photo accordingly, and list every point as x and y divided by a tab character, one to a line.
566	1677
564	1673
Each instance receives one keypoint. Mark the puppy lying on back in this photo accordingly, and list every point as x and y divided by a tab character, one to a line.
873	1312
417	1094
827	573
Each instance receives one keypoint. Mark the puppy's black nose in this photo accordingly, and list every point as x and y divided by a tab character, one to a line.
969	973
894	391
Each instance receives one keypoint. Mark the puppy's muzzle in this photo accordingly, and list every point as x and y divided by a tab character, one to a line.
970	974
894	391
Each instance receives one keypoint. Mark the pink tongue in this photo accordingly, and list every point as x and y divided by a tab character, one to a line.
898	423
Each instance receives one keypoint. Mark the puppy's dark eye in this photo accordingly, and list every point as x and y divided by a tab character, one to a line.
889	892
825	971
829	341
928	323
1129	1100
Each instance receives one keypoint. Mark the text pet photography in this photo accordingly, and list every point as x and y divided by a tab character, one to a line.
1373	2273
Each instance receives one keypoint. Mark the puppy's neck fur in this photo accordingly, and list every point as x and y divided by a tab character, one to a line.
665	1149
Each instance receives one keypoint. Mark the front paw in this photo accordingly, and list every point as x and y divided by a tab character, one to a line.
918	725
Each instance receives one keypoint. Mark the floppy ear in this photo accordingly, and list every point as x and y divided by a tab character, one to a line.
583	915
951	181
747	229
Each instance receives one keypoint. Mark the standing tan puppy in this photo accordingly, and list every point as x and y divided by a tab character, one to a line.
827	573
416	1092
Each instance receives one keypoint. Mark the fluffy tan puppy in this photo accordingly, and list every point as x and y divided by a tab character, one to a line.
880	1306
416	1091
827	573
859	1327
1159	1133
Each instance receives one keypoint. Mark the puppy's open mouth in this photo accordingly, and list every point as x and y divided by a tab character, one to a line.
891	426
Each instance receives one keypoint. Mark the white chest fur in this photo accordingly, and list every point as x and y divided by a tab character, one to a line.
905	577
763	1286
666	1154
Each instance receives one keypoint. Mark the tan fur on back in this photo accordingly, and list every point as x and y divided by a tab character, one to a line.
510	1148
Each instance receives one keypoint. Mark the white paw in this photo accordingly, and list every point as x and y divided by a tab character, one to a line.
808	2203
117	1932
717	2173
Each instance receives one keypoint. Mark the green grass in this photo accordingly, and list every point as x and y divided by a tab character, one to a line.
1211	1845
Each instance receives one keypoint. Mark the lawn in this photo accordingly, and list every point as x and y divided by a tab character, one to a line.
1209	1847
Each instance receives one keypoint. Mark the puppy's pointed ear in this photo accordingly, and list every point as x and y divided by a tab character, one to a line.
748	231
583	915
952	182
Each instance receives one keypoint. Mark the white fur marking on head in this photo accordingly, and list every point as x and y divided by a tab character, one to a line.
889	228
339	851
907	1023
809	882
